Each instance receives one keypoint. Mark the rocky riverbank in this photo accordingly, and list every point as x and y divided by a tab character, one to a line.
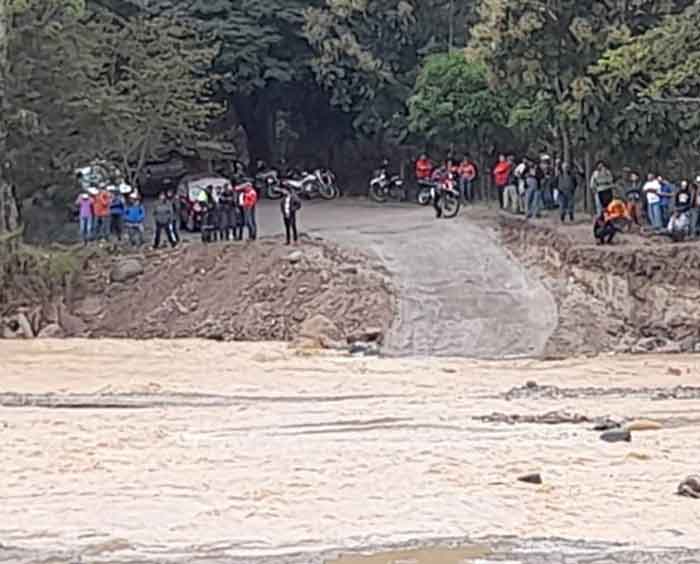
317	294
636	296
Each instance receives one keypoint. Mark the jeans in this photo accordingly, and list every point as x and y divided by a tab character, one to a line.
102	227
655	215
249	222
694	216
290	227
466	187
566	205
665	213
86	228
511	201
134	232
534	201
116	223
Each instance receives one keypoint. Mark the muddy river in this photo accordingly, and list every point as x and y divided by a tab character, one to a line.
144	452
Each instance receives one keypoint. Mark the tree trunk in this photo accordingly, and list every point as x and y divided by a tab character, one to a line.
9	212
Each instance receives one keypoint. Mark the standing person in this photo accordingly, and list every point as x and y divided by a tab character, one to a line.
117	208
227	215
86	216
602	186
684	198
289	206
249	201
633	193
565	185
694	214
163	217
532	194
666	191
424	168
134	216
651	190
467	177
545	177
175	204
101	206
501	175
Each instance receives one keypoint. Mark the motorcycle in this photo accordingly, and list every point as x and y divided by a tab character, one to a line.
383	187
449	200
268	183
309	184
425	192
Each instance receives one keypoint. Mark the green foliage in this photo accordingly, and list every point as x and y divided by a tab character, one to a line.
452	101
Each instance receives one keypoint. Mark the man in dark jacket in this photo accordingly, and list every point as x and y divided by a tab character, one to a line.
566	185
289	206
163	217
174	202
227	216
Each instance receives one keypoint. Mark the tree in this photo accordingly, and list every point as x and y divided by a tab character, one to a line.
150	86
452	102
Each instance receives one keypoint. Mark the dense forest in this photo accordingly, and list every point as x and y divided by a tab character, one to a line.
343	83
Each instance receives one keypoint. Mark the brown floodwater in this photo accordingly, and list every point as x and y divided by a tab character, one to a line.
188	451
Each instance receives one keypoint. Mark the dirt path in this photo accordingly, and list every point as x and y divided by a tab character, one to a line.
194	451
459	292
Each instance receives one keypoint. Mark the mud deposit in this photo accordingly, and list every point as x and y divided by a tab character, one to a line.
201	452
636	296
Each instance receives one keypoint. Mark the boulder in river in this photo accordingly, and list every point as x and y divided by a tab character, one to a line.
690	487
643	425
617	436
534	478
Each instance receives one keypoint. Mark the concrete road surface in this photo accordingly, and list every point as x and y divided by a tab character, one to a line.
460	294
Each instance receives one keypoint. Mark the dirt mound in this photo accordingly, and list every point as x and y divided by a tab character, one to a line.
253	292
637	296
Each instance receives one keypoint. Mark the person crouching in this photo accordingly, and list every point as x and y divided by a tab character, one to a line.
289	206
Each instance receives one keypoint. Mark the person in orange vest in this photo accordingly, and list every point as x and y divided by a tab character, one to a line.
424	168
467	176
101	205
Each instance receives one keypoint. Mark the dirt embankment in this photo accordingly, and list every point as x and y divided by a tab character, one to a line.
636	296
253	292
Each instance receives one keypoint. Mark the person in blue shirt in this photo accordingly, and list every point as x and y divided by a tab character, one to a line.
666	198
134	216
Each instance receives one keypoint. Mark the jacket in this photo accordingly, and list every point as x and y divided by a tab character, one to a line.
616	210
467	170
424	169
501	173
601	181
566	183
163	213
250	198
290	205
684	201
135	214
117	206
101	204
227	199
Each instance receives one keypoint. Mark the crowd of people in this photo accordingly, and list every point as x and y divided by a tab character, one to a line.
107	212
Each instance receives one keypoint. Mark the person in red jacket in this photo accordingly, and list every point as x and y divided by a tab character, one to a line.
424	168
249	200
501	176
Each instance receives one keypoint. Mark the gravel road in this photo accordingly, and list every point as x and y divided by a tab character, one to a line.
459	292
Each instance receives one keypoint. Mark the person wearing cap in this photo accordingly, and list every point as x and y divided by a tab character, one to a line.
86	216
134	216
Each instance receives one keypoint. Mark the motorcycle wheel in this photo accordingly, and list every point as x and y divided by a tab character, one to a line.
377	194
423	196
451	204
273	193
328	191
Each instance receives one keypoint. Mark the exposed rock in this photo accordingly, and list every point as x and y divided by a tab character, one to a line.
551	418
295	257
90	306
349	269
73	325
531	478
690	487
51	331
364	349
643	425
25	327
617	436
321	329
606	424
367	335
126	270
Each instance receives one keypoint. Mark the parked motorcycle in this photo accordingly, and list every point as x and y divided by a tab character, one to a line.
268	184
383	187
307	185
